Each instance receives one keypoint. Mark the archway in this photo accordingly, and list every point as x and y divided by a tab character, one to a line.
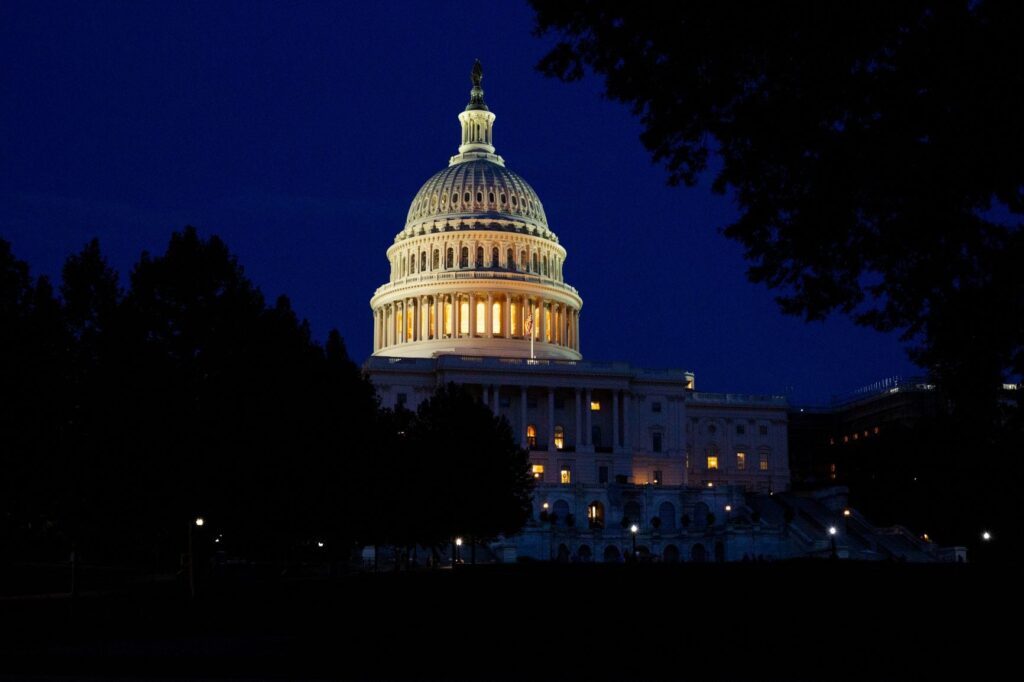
595	514
612	555
667	514
561	510
699	554
671	554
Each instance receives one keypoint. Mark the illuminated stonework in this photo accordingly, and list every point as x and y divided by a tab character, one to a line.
476	270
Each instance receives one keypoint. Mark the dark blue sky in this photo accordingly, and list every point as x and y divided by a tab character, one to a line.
299	132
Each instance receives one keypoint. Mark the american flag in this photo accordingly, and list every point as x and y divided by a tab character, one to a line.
529	324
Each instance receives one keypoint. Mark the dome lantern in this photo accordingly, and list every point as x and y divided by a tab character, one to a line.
477	125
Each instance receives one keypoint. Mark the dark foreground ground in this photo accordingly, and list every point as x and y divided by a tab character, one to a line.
785	621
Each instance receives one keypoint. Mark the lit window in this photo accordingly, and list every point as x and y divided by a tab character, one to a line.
741	460
832	471
876	430
566	475
595	405
531	436
712	462
656	480
538	471
764	461
559	437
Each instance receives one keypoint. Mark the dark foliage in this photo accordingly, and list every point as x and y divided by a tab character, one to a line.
129	413
873	149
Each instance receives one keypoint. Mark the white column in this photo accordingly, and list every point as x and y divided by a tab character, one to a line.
472	315
405	313
456	316
506	309
626	416
376	329
590	429
551	419
615	420
543	323
423	311
579	421
489	315
522	414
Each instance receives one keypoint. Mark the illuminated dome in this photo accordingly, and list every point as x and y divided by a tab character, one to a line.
476	270
477	194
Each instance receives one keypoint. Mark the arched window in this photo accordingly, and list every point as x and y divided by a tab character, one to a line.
495	257
464	257
449	259
479	256
595	514
632	511
455	198
522	261
479	197
712	458
490	197
545	263
510	260
412	264
559	437
764	460
531	436
401	268
514	201
667	514
465	197
434	260
423	261
535	268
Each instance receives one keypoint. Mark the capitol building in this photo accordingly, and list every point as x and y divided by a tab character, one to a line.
623	456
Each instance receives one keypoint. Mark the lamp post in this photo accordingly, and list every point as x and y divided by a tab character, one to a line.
455	551
633	529
191	557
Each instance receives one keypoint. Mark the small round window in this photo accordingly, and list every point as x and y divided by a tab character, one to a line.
465	197
479	197
490	197
513	200
455	197
502	199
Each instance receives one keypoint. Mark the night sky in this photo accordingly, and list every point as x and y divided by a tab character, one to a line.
299	132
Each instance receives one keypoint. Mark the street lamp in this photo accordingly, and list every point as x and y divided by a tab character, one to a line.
633	529
986	536
198	522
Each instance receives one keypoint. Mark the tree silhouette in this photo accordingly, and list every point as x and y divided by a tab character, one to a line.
873	149
470	477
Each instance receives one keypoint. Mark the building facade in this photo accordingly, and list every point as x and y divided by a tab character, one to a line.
622	456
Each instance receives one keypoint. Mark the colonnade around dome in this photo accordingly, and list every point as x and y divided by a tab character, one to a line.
474	314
